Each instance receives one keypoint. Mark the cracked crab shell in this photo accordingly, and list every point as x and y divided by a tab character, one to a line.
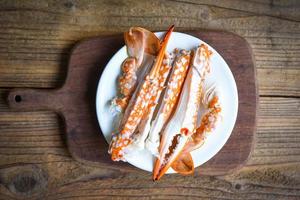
139	41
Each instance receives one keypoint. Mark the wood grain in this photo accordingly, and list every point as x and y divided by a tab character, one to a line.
36	37
35	40
31	140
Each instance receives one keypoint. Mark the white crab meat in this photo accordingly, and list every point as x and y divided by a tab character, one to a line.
171	95
184	121
138	108
145	124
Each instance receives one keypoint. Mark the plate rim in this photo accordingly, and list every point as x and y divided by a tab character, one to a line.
227	68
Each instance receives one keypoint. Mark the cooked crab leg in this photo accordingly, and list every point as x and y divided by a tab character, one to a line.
183	123
144	126
140	43
211	101
184	163
170	99
137	107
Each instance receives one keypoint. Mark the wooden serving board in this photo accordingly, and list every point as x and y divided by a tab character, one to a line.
75	101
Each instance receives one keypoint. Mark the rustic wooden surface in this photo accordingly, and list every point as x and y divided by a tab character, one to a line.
35	40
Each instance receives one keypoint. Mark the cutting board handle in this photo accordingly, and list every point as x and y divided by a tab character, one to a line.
33	99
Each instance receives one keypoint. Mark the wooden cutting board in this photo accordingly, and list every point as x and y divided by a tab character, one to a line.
75	101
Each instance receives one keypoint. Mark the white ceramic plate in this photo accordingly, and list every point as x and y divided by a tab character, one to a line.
220	74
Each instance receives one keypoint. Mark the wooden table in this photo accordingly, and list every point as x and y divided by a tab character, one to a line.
35	41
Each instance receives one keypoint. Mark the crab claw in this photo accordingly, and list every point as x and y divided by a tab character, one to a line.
171	148
138	107
184	121
170	99
181	125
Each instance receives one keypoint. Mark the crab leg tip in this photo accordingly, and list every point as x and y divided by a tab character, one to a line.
161	53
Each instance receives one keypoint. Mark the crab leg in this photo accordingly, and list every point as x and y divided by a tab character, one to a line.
184	163
140	43
209	120
138	106
144	126
183	123
170	99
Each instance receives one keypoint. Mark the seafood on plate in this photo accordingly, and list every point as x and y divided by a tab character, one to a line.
172	91
138	107
142	46
161	102
183	163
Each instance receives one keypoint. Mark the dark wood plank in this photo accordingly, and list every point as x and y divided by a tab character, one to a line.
35	38
33	143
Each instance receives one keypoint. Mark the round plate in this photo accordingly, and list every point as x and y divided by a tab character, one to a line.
220	74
